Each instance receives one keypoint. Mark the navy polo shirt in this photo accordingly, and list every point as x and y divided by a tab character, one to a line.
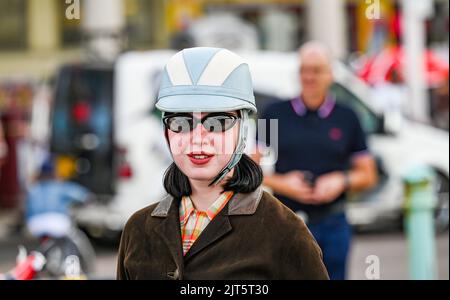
318	141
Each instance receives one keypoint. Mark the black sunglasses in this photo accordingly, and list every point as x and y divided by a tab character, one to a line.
214	122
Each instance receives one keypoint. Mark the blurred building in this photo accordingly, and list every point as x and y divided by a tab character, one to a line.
38	36
34	34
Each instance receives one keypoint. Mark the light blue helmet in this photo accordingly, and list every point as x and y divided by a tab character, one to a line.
204	79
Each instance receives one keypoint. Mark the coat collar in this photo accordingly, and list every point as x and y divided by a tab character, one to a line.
240	204
170	232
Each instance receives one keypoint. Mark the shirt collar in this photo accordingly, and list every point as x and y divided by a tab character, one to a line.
323	112
240	204
187	206
186	209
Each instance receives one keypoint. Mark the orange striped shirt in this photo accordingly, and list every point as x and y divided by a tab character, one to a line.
193	221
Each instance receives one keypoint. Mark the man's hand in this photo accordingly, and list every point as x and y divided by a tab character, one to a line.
292	185
363	175
328	187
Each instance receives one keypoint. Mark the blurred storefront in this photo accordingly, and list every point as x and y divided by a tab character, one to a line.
368	26
278	24
34	33
372	34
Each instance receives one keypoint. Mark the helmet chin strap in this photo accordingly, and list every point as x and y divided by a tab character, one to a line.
236	157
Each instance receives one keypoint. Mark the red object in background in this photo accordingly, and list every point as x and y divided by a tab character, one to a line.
382	67
25	270
29	267
10	191
125	171
81	112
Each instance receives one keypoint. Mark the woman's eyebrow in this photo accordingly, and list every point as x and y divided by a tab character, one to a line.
179	114
226	113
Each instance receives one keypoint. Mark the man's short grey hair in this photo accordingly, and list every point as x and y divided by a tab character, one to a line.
317	47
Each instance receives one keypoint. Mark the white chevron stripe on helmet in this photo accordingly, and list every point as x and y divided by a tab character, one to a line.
177	71
219	68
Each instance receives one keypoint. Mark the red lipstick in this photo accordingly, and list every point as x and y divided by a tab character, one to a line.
200	158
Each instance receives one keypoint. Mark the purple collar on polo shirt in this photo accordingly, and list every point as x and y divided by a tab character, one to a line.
324	110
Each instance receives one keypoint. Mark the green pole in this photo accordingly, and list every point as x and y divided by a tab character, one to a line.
420	203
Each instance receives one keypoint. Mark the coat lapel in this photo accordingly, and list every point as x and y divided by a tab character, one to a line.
217	228
169	230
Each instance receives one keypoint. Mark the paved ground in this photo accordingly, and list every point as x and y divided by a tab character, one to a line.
390	249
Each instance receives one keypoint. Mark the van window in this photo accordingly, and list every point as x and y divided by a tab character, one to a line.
370	122
82	124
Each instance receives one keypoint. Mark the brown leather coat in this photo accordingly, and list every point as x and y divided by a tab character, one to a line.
253	237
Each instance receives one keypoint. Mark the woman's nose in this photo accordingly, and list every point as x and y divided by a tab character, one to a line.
198	133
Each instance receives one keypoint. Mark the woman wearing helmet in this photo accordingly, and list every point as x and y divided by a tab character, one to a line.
216	221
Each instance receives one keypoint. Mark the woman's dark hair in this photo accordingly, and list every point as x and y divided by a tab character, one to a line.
247	177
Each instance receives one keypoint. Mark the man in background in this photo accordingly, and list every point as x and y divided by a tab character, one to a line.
322	154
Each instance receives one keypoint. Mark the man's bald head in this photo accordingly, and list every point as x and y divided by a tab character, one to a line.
316	74
315	51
